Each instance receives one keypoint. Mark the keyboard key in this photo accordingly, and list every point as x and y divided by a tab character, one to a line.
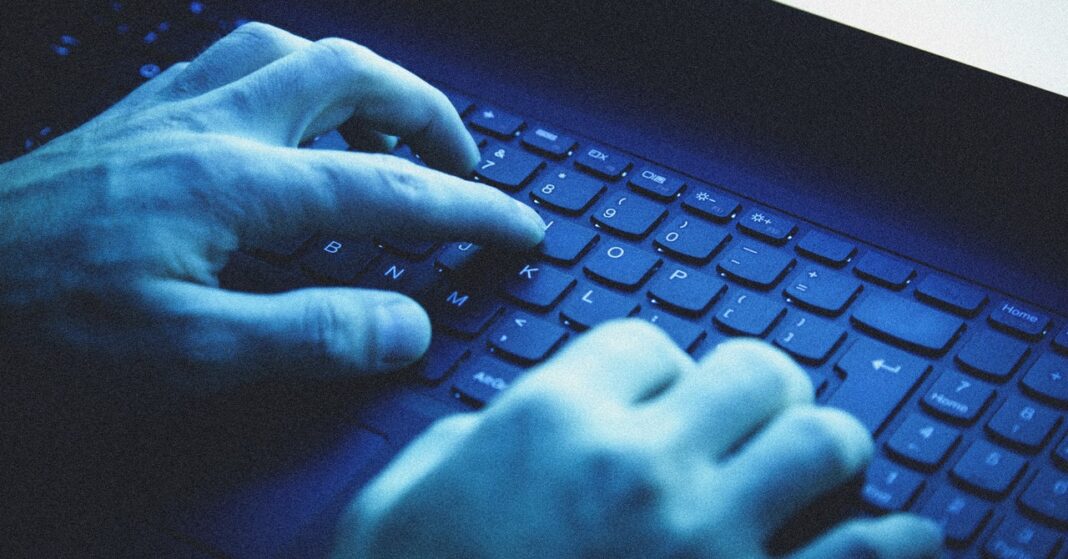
960	514
878	378
548	143
526	338
992	354
332	140
440	359
462	311
457	256
889	487
411	248
685	290
506	167
620	265
745	314
766	225
656	183
401	275
809	339
688	239
1023	423
590	305
253	275
338	260
1047	379
404	151
709	203
923	442
564	241
685	334
1060	454
988	468
1047	496
822	290
538	285
755	264
480	381
495	122
884	270
602	162
958	397
907	323
283	247
1061	341
826	248
1017	538
628	215
951	295
1017	319
566	191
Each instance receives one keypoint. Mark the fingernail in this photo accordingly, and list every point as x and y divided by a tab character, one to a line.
403	332
532	216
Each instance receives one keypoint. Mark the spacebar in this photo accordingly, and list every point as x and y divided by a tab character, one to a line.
907	323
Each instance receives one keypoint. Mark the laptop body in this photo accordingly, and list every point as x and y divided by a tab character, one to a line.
946	168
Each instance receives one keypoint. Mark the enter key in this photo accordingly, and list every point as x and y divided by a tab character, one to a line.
878	379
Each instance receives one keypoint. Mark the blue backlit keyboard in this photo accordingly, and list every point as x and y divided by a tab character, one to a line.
965	389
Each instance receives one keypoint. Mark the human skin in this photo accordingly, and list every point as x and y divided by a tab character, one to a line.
609	449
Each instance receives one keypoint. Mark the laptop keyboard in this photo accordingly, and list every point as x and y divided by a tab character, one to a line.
965	389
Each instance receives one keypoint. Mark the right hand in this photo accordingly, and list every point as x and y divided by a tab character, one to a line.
622	446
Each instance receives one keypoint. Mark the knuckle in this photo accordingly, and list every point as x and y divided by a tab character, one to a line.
857	543
535	408
623	479
825	440
629	335
258	33
326	336
354	59
400	180
772	367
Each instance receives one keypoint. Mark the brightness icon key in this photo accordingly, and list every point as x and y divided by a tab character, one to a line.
766	225
709	203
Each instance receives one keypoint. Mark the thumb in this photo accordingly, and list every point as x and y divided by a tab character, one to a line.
229	338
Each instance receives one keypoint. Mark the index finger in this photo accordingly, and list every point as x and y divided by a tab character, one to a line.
319	87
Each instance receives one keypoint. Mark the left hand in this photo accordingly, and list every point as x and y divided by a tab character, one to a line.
112	235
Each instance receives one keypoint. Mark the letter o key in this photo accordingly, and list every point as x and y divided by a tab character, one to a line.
615	252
